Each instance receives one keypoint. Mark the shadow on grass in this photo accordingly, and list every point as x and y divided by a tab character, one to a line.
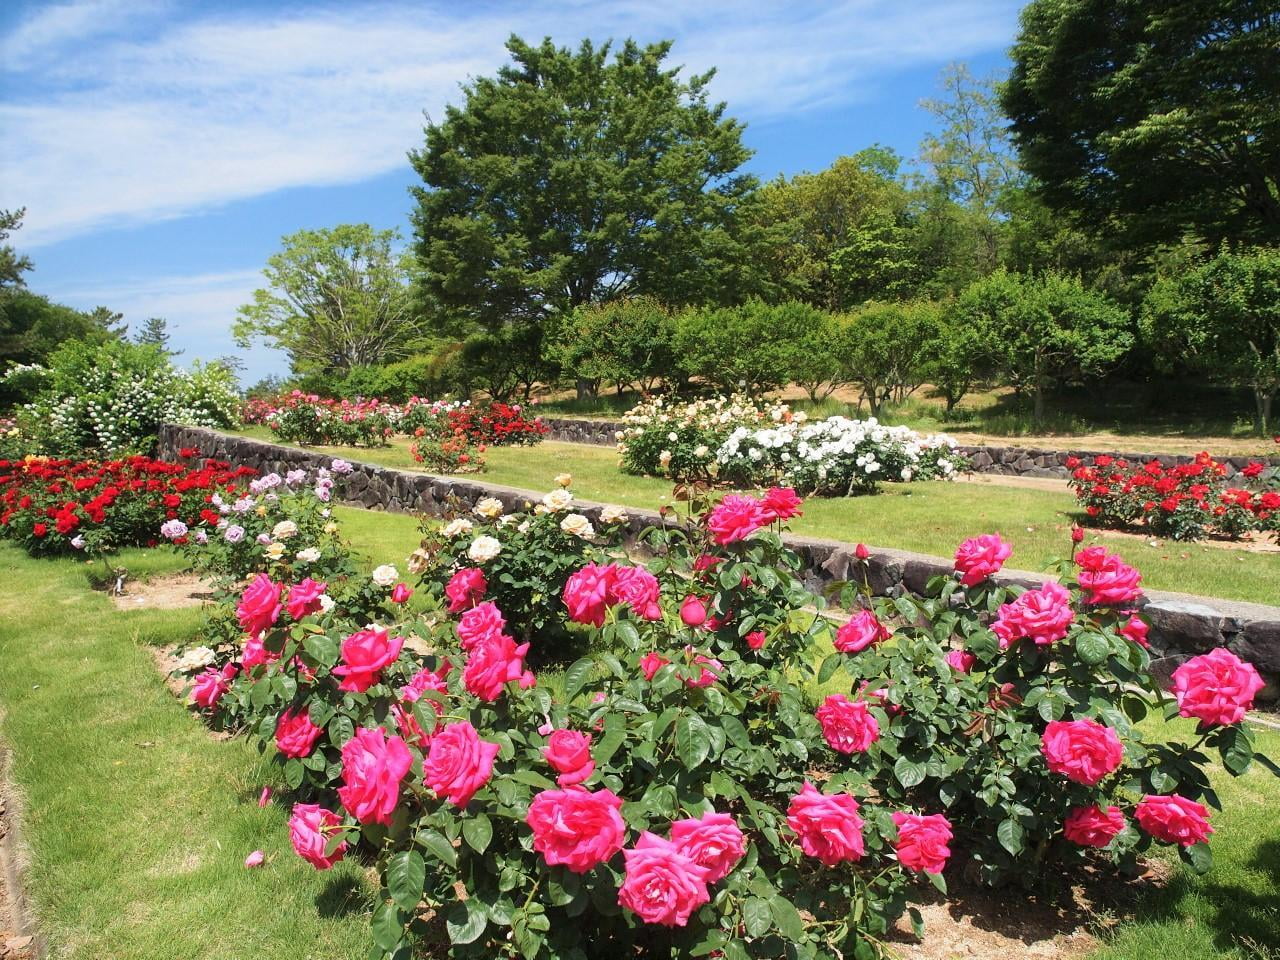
342	897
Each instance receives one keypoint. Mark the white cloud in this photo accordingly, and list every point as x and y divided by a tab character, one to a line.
179	116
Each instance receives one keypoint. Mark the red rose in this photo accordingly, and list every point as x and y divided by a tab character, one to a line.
364	656
1093	826
459	763
922	841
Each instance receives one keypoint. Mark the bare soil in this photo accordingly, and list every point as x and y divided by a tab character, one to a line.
18	939
172	592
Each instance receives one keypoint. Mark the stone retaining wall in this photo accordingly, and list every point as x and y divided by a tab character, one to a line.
1019	461
1181	625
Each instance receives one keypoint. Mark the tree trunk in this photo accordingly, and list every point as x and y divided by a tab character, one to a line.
585	388
1037	415
1262	398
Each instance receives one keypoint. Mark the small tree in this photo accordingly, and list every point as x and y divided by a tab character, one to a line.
755	346
626	341
155	331
1224	318
885	347
961	353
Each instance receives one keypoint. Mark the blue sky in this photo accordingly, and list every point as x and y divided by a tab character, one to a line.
162	148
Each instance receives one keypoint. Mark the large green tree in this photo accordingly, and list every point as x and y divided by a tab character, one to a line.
335	299
1152	119
12	264
576	176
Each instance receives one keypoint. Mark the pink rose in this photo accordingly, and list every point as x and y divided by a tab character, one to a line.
465	589
735	518
1174	819
1136	629
781	503
459	763
1081	750
828	827
480	624
254	859
1216	688
255	653
638	589
310	829
259	605
1092	826
211	685
1042	615
662	885
264	797
922	841
570	753
978	558
847	725
587	593
296	735
756	639
711	669
1106	579
304	598
401	592
493	664
713	842
861	552
651	663
411	693
576	828
364	656
693	612
961	660
861	631
373	765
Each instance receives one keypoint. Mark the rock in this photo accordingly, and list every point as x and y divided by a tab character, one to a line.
1183	626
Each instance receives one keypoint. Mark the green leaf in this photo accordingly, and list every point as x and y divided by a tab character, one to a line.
465	922
406	875
615	732
909	773
440	847
829	667
787	917
1198	857
693	741
388	926
1009	833
477	831
533	779
757	917
735	731
1093	648
340	730
576	676
1236	748
321	649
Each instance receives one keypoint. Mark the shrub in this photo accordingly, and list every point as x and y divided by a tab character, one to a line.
885	347
447	453
624	341
307	418
754	347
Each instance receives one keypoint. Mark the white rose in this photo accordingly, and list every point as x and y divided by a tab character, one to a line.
275	550
385	575
576	525
557	500
456	528
483	549
612	514
284	530
326	602
309	555
195	659
664	458
489	507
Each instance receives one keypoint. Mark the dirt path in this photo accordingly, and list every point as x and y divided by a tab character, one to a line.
18	939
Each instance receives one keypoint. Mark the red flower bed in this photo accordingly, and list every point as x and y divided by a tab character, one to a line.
1184	502
498	424
57	506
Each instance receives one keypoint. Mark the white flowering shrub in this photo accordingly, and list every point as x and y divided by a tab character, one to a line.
113	397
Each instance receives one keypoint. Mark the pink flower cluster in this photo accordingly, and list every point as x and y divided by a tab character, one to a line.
1106	579
1041	615
980	558
590	591
738	516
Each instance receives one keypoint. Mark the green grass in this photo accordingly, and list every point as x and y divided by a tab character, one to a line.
137	821
926	517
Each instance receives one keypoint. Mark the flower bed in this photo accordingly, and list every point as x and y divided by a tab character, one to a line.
54	506
677	793
1184	502
299	417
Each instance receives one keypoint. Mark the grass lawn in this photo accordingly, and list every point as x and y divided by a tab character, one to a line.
137	821
926	517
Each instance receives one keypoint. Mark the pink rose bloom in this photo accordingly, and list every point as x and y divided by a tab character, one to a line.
465	589
651	663
401	592
638	589
1106	579
492	665
254	859
373	765
296	735
210	686
364	656
570	753
961	660
781	503
304	598
861	631
587	593
264	797
459	763
711	669
310	829
255	653
1174	819
735	518
1081	750
978	558
411	693
1092	826
706	562
576	828
259	605
1217	688
861	552
847	725
922	841
662	885
756	639
1136	629
693	612
480	624
713	842
1042	615
828	827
